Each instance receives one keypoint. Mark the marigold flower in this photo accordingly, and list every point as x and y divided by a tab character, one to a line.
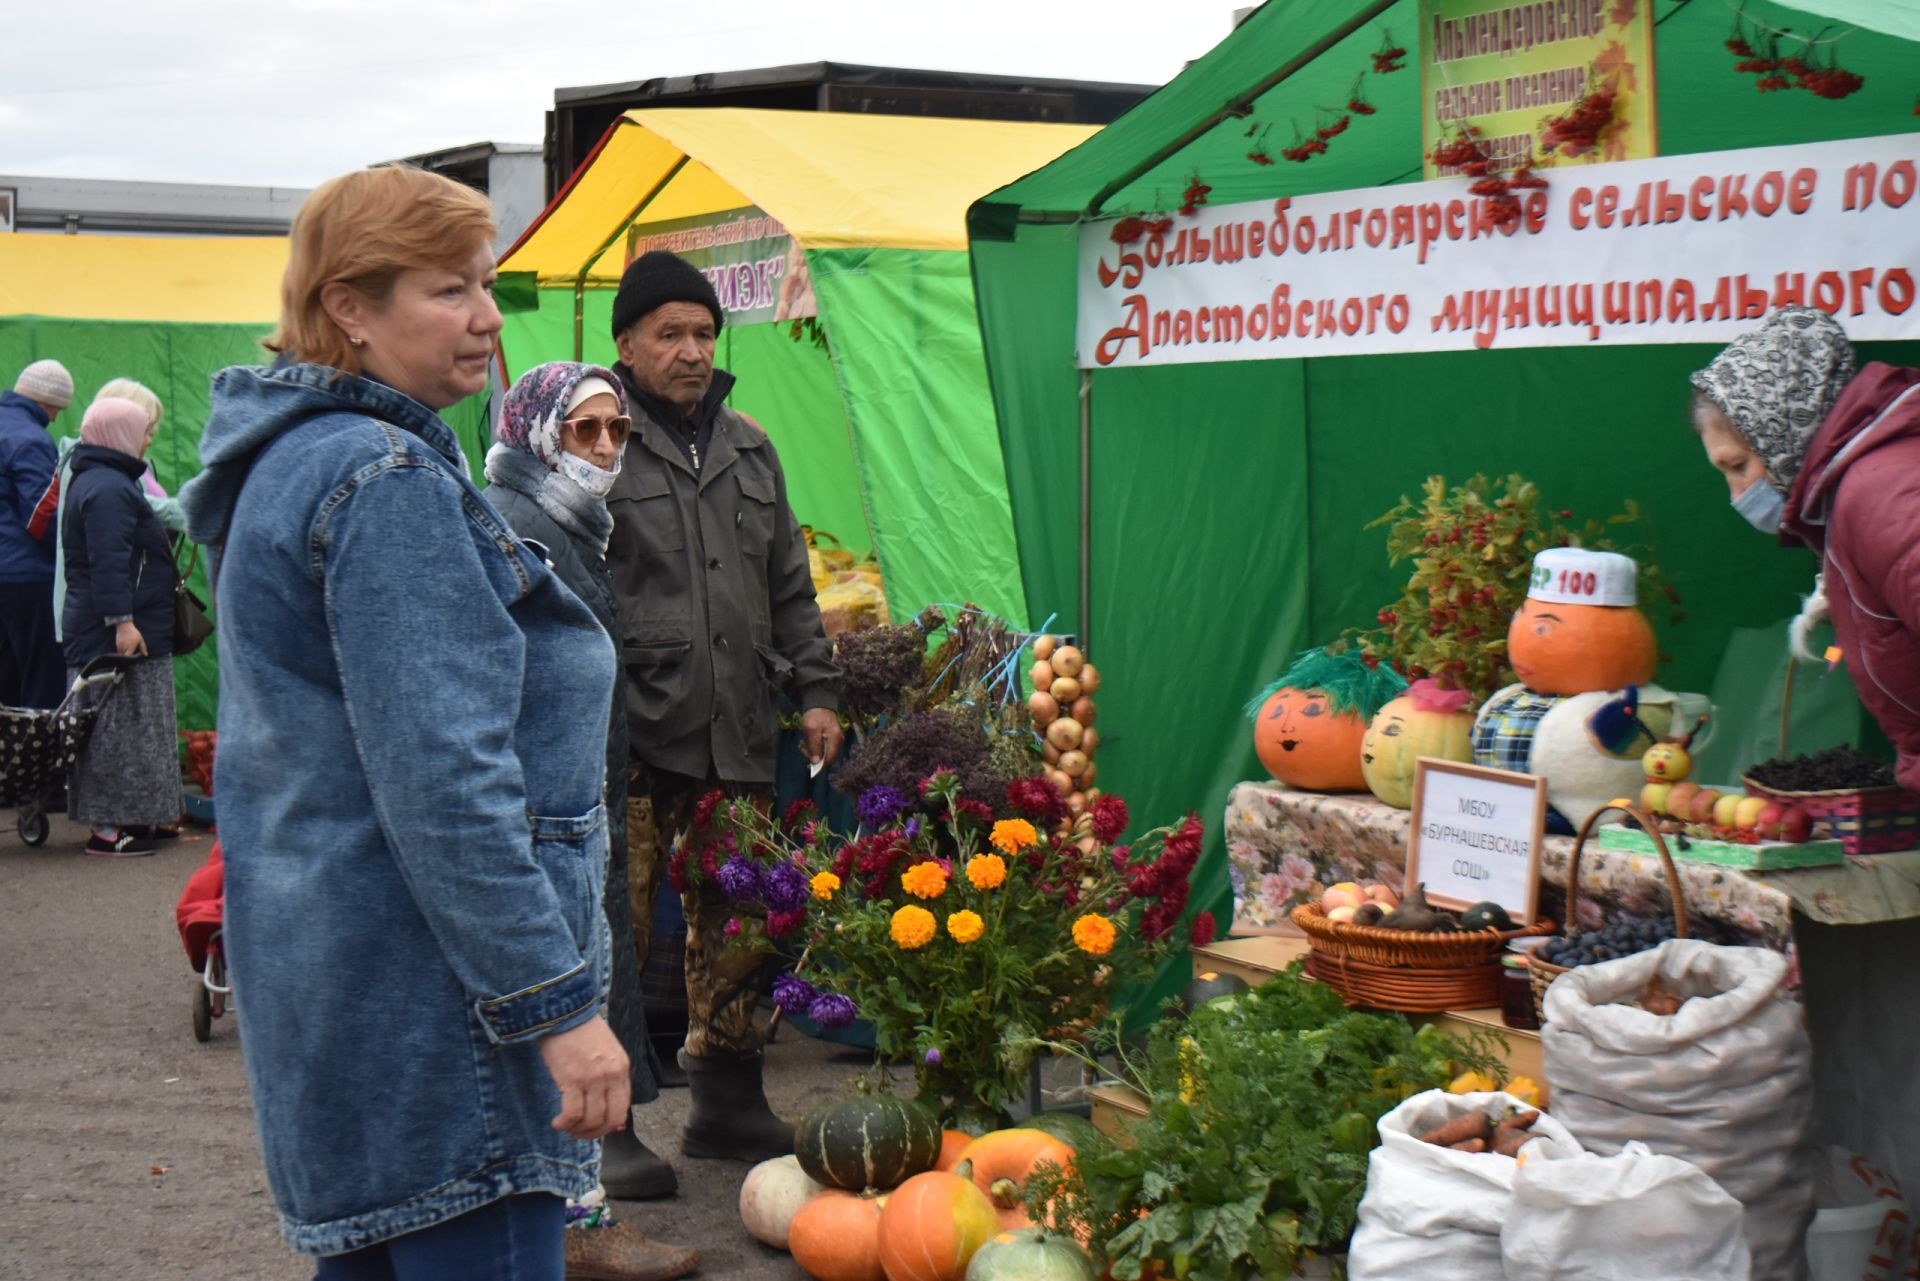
912	927
987	871
823	885
1093	934
1013	835
925	880
965	927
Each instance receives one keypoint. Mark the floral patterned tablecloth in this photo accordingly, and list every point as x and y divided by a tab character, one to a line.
1285	847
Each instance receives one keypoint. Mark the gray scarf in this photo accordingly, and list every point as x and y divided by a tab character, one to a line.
1777	384
566	504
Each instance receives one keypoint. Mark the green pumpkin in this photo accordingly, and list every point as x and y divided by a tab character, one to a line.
1482	916
1073	1130
1209	986
871	1141
1029	1254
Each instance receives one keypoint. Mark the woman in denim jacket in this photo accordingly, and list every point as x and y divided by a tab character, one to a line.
412	762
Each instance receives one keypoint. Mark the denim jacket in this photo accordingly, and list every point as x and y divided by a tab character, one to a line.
412	733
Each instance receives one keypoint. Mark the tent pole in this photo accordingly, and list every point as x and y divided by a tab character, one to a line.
580	281
1238	105
579	317
1086	507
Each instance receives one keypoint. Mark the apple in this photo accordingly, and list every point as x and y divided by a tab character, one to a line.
1343	914
1345	894
1383	895
1796	826
1724	813
1748	811
1768	822
1653	797
1700	808
1679	800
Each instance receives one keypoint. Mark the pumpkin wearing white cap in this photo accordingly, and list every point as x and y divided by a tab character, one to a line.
1584	654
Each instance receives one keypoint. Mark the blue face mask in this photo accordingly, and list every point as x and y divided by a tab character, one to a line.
1761	505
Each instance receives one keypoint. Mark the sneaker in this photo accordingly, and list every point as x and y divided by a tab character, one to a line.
125	845
154	834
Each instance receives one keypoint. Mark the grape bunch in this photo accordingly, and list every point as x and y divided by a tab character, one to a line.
1609	943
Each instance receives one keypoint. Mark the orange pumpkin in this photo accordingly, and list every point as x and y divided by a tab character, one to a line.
836	1236
1307	745
932	1225
1574	649
1003	1161
953	1145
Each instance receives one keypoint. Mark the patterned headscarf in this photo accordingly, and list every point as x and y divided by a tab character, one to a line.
534	407
1777	384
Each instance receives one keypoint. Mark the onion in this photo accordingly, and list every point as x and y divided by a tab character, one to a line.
1090	678
1065	734
1090	740
1044	707
1050	754
1076	802
1042	675
1068	661
1073	764
1044	647
1087	776
1061	783
1065	690
1084	711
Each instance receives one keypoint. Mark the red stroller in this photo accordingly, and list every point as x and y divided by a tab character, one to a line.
198	915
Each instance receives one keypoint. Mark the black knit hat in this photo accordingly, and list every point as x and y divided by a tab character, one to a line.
659	277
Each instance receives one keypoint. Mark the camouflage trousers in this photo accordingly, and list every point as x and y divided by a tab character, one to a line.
722	982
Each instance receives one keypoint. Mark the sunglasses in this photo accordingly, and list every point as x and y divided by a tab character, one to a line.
589	429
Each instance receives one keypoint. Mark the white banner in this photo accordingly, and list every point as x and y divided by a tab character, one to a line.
1680	249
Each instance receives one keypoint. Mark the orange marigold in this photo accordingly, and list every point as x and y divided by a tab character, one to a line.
1013	835
1093	934
912	927
965	927
925	880
987	871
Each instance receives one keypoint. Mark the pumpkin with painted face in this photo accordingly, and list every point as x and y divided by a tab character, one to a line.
1556	648
1309	724
1427	720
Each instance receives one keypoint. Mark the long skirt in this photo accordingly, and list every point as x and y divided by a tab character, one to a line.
128	774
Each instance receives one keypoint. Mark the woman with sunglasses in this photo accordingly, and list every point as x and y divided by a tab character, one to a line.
563	428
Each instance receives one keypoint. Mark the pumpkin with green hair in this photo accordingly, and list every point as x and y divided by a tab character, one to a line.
1308	725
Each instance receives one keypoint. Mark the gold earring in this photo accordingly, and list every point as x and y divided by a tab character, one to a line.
356	342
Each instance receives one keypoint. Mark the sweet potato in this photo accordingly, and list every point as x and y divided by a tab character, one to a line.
1469	1145
1470	1125
1657	1000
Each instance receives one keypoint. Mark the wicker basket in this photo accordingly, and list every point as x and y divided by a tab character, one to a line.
1403	949
1407	989
1871	820
1542	974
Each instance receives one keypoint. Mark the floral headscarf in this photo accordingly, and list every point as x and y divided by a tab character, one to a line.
527	454
534	407
1777	384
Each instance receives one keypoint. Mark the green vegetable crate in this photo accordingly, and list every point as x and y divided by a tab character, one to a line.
1767	856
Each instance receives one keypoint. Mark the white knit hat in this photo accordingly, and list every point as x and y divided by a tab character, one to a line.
46	381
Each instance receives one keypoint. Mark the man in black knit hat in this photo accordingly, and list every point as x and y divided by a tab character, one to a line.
719	625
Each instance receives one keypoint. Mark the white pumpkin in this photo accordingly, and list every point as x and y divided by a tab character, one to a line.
773	1193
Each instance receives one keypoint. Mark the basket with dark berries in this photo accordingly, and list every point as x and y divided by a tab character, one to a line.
1852	793
1577	947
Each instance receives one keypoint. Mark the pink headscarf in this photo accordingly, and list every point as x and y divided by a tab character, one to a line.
113	423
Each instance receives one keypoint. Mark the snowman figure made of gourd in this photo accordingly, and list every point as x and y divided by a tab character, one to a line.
1584	710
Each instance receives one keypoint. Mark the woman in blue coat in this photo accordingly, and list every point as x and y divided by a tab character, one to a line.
412	762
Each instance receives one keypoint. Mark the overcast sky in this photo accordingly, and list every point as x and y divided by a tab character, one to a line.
293	91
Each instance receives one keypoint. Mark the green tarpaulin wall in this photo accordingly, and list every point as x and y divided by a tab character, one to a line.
1227	500
904	382
177	361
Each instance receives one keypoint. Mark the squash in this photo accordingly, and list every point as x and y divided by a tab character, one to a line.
932	1225
869	1141
1425	721
1028	1254
1070	1128
953	1143
836	1236
772	1195
1207	986
1574	649
1308	725
1003	1161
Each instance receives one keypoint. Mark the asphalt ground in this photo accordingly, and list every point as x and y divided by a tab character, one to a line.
127	1148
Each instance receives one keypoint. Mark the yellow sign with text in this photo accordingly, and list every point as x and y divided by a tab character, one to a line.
1552	81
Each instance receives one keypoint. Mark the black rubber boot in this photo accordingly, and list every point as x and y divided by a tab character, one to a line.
730	1119
631	1171
665	1055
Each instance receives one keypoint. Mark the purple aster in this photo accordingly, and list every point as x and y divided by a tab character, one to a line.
739	879
784	887
913	829
933	1058
793	994
881	805
830	1010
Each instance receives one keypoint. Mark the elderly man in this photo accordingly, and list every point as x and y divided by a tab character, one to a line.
32	672
718	624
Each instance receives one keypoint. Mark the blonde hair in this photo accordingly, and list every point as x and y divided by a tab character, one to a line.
363	229
138	393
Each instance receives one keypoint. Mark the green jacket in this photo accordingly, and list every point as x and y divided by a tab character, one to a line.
717	614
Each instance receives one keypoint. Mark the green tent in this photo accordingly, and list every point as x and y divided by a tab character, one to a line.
1203	522
168	312
839	248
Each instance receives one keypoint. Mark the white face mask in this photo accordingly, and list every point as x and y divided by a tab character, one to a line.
595	481
1761	505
